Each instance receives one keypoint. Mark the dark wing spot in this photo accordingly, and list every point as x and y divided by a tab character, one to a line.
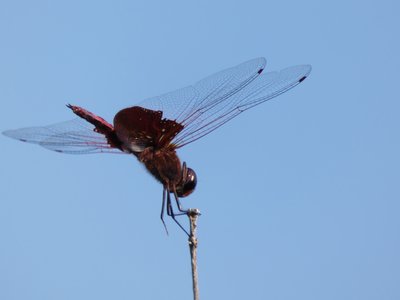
302	78
259	71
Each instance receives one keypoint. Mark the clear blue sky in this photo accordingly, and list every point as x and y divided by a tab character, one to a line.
300	196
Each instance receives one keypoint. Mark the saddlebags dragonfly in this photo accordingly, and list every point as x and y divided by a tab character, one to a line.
155	128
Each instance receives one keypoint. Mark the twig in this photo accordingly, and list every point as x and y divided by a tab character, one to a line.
193	214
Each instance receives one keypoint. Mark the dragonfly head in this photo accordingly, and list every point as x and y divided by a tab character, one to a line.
188	182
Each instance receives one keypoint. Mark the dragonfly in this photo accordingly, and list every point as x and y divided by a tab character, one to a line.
155	128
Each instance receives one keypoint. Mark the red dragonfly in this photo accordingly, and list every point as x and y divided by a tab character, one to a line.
157	127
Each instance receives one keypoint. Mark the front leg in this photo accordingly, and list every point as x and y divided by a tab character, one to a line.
171	213
178	204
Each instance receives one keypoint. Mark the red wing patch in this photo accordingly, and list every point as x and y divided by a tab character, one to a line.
138	128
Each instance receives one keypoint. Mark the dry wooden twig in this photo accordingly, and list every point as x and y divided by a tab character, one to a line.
193	214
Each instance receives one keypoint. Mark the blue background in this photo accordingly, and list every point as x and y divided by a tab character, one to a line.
300	196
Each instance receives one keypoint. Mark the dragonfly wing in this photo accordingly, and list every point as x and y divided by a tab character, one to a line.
214	114
73	137
185	104
216	99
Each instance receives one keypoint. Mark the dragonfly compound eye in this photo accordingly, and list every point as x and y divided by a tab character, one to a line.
188	184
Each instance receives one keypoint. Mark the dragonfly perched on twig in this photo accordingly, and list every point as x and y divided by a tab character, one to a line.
155	128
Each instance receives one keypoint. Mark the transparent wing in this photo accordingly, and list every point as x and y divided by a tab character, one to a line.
211	102
181	104
72	137
263	88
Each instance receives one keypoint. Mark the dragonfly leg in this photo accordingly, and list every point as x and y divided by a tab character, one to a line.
178	204
171	213
162	209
